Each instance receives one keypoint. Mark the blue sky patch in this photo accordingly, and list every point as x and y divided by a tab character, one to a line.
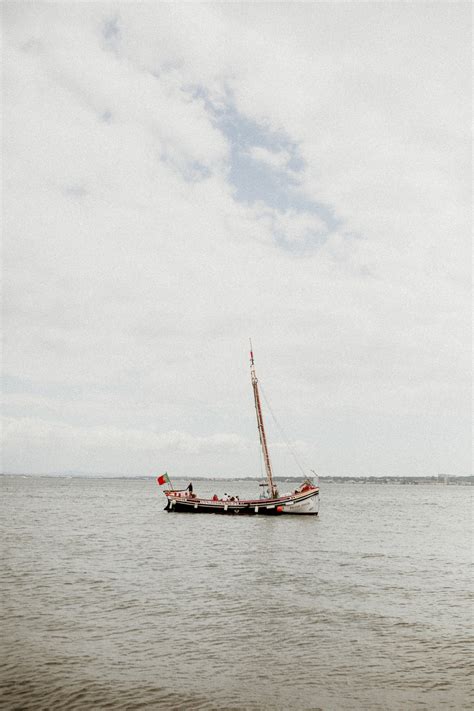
266	167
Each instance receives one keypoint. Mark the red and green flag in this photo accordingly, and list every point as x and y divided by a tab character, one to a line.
163	479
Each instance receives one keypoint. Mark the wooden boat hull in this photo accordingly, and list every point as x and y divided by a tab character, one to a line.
304	503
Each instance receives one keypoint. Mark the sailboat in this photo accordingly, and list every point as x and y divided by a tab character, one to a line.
303	500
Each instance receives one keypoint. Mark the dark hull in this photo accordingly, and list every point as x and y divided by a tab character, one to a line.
240	511
300	505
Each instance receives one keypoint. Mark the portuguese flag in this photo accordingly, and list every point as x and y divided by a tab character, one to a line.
163	479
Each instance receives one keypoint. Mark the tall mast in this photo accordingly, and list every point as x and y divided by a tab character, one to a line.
261	430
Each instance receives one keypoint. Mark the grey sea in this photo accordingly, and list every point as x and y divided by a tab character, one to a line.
109	602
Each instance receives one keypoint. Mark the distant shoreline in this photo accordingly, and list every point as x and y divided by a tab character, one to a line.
399	480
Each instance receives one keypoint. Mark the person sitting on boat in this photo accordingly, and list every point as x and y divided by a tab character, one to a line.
215	497
225	498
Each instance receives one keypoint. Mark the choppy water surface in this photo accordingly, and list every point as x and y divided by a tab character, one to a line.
110	602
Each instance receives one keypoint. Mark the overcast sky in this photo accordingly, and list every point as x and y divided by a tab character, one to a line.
181	177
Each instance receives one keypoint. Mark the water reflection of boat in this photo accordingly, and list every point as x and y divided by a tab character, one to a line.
303	500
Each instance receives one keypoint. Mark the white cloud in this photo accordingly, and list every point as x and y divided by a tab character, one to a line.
134	275
275	159
56	446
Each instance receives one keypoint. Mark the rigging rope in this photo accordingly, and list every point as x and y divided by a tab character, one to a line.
282	432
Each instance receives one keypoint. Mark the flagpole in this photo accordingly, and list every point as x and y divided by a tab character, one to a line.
166	479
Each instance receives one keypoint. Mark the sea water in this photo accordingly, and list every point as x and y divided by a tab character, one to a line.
109	602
